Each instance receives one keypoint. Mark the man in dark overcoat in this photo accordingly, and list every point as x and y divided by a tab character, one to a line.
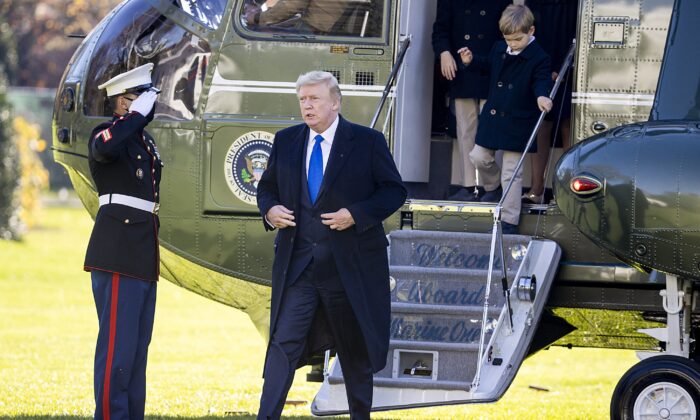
472	24
122	255
328	186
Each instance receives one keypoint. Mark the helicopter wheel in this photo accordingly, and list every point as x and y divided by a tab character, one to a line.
661	387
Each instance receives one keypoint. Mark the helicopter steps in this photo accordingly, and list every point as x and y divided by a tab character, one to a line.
439	282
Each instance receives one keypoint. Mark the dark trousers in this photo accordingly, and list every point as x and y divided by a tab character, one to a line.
125	310
300	302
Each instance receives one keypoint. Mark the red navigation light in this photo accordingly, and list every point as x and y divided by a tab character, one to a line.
585	185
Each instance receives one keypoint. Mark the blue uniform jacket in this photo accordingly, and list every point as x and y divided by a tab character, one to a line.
123	159
511	111
361	176
467	23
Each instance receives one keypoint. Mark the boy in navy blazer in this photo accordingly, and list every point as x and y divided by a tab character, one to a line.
518	91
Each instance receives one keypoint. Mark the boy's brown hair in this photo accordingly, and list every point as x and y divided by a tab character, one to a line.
516	18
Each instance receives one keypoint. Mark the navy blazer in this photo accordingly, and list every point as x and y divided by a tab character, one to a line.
511	110
361	176
467	23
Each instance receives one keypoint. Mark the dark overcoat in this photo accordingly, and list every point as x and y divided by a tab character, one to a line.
360	176
516	81
555	21
467	23
124	160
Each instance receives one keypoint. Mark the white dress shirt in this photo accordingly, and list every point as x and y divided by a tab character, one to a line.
326	144
511	52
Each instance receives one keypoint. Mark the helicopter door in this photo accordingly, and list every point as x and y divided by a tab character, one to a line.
452	339
252	93
414	92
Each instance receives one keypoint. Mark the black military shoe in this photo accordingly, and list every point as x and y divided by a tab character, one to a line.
465	194
509	228
492	196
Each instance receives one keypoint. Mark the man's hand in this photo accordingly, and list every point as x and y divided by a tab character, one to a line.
340	220
280	217
250	14
448	67
466	55
544	103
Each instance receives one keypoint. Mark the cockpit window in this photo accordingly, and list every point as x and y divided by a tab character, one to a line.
347	18
139	34
207	12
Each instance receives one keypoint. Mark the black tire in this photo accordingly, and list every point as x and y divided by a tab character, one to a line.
677	370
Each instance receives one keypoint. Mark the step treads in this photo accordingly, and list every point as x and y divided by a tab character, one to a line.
453	249
435	366
452	287
440	328
411	383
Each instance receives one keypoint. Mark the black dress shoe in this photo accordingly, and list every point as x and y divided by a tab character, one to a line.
509	228
492	196
465	194
453	189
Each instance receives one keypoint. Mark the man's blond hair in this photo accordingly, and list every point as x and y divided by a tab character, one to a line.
516	18
315	77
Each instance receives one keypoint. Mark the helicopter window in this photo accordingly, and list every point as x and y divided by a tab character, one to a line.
138	34
208	12
352	18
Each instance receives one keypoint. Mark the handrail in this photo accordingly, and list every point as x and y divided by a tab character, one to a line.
394	71
497	232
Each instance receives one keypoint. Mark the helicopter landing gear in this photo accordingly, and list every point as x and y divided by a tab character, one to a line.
677	302
661	387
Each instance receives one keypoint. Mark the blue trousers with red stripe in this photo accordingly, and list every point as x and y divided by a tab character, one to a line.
125	310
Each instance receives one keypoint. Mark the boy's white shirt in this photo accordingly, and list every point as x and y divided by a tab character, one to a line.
509	52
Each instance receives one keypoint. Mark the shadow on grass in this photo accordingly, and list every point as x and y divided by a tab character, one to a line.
231	415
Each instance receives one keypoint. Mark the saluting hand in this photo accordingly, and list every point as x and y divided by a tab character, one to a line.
544	103
144	103
280	217
340	220
466	55
448	67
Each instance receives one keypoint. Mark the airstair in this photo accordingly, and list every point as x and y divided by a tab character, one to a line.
452	338
464	308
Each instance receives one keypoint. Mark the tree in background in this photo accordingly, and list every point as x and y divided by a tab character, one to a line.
9	162
34	51
33	176
40	29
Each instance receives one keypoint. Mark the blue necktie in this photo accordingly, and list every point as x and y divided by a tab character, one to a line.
315	169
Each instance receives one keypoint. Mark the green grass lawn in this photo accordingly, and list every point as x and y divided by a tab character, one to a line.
205	358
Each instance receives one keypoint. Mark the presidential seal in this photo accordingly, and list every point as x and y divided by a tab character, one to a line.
245	162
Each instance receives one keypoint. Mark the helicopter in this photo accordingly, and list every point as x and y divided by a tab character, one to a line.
612	262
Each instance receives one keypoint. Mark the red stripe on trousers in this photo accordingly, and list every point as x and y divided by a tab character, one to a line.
110	348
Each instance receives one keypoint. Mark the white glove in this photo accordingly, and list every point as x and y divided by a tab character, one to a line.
144	103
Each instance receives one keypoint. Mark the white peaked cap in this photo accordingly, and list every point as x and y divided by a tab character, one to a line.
121	83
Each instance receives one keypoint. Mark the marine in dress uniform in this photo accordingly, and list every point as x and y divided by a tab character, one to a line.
122	255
